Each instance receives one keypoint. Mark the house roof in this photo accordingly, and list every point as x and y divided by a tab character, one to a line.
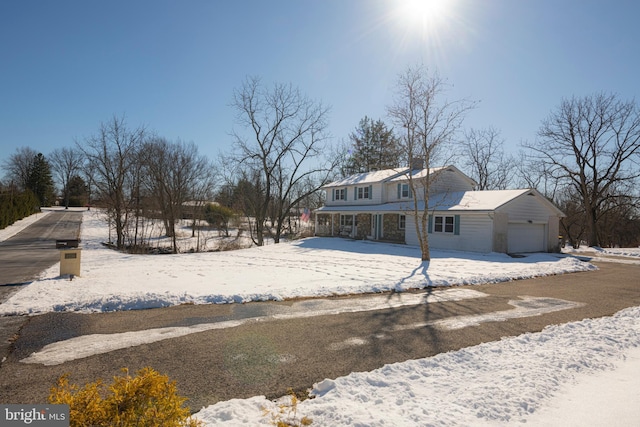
468	201
486	200
392	175
368	177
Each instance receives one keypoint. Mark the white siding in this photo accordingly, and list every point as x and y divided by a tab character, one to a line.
476	231
527	208
376	196
449	181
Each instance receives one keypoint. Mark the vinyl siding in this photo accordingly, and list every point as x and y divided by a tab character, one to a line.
445	182
526	208
476	231
374	189
449	182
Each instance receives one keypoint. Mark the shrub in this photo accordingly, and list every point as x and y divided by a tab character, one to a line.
146	400
286	414
218	216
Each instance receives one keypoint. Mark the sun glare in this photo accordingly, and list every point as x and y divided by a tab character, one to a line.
422	11
427	23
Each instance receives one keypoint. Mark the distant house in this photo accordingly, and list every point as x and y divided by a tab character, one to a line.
379	206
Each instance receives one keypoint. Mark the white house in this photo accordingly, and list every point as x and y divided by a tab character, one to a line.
379	206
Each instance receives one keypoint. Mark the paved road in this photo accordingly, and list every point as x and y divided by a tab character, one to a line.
268	357
24	256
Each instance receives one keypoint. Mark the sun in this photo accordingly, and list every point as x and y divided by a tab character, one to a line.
427	23
422	11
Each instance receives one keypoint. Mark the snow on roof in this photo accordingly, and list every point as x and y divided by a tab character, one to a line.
390	175
417	173
473	200
367	177
487	200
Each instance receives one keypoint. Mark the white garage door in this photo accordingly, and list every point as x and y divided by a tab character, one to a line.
525	238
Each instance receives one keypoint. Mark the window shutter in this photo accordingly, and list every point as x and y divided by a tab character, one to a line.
410	193
355	193
345	194
371	191
399	191
333	194
456	225
430	224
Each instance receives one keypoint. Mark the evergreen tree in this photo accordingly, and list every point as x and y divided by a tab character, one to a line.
373	147
40	181
77	192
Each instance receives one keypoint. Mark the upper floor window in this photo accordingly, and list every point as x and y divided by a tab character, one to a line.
340	194
362	193
404	191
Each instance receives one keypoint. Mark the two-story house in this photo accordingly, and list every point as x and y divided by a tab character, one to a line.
380	206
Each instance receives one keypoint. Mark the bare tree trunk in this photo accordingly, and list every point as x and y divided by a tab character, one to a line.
429	125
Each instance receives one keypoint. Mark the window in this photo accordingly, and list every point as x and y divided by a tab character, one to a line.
443	224
404	191
341	194
363	192
346	220
402	222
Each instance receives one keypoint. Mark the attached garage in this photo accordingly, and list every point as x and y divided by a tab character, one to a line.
525	237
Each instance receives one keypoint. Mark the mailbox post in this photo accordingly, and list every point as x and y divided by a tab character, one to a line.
69	257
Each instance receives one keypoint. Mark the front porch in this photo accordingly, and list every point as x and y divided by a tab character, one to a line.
388	227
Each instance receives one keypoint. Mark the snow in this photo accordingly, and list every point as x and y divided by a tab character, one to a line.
309	267
582	373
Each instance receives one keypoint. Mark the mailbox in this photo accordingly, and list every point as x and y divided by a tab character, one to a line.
69	257
67	243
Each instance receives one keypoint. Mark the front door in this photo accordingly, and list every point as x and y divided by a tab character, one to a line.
377	226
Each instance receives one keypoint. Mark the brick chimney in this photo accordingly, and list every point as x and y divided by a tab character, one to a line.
417	163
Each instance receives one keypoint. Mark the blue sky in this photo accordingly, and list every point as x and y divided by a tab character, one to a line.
66	66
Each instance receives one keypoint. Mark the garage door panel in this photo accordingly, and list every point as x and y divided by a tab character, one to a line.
526	238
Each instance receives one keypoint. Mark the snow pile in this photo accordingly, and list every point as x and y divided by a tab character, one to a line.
628	252
498	383
111	280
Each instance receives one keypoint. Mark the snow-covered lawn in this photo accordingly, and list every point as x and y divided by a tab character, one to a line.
584	373
310	267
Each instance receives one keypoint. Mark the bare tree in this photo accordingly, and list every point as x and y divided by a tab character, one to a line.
284	150
484	156
112	157
19	166
429	123
175	174
66	163
592	144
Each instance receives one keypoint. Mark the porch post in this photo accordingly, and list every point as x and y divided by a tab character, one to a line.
315	225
